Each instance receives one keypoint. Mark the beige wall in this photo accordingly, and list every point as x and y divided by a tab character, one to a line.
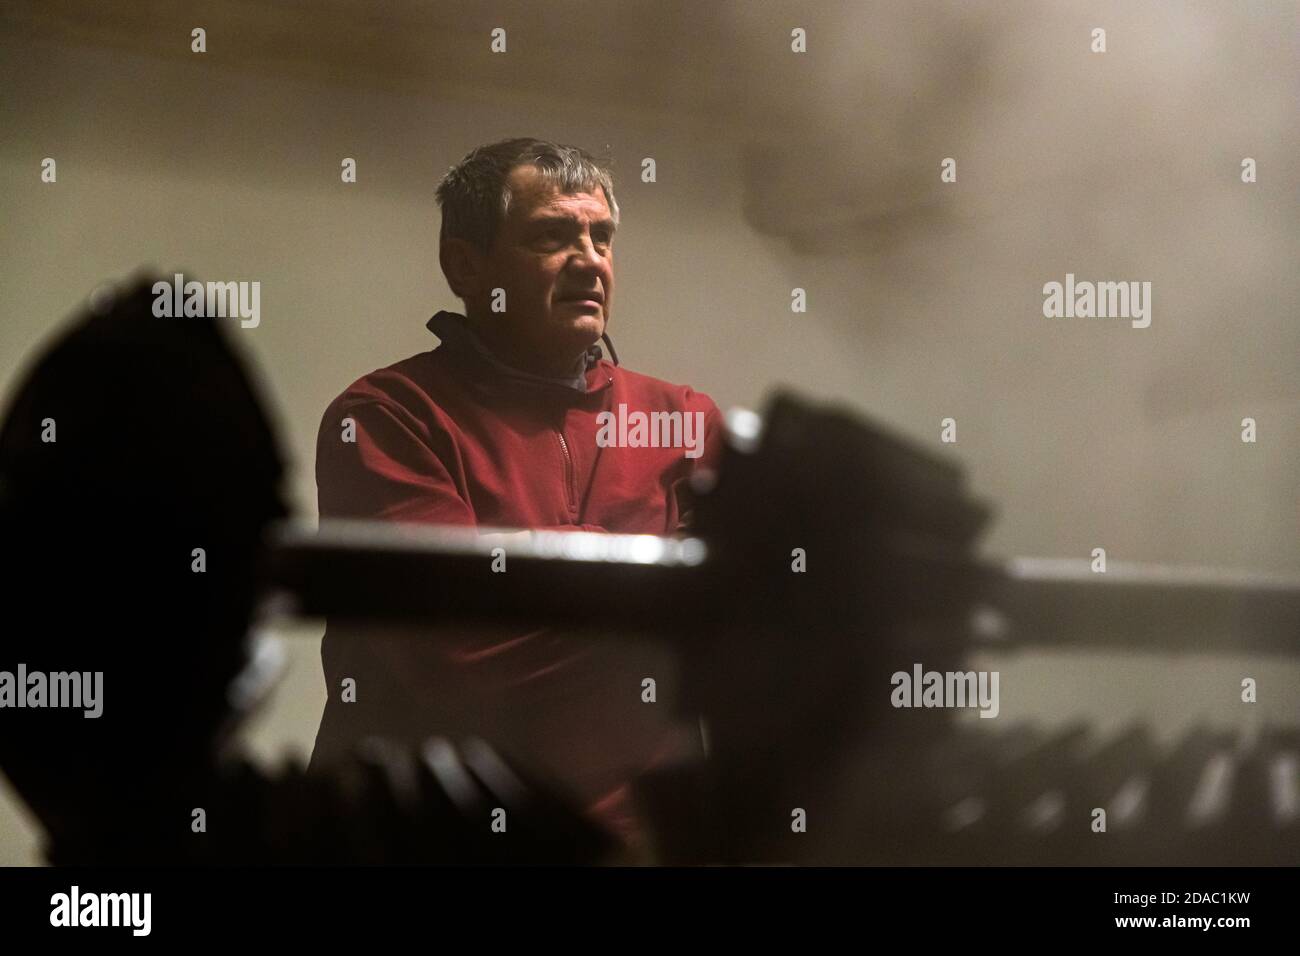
1085	433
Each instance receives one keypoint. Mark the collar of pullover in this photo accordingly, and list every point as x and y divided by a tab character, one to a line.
457	335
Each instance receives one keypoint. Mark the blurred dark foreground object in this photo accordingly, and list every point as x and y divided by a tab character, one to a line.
389	804
830	555
132	442
791	671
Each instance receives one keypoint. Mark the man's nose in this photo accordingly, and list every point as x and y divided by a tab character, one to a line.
586	255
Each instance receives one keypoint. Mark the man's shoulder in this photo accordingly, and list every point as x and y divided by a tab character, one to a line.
656	391
412	379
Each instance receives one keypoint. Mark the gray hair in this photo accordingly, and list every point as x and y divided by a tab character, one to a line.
475	198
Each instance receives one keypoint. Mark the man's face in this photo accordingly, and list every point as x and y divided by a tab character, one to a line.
553	256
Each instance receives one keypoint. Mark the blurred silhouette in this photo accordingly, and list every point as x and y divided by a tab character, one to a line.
133	441
136	440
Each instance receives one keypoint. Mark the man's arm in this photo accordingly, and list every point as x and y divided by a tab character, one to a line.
371	462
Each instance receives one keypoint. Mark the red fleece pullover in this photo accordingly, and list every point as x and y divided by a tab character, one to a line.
451	436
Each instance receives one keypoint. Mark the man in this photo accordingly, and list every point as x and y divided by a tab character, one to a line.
516	420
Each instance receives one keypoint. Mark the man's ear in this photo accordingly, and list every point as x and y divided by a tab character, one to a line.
464	266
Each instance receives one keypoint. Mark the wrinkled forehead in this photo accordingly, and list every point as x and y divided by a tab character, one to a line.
529	192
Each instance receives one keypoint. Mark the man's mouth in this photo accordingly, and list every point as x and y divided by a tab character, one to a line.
584	302
584	298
